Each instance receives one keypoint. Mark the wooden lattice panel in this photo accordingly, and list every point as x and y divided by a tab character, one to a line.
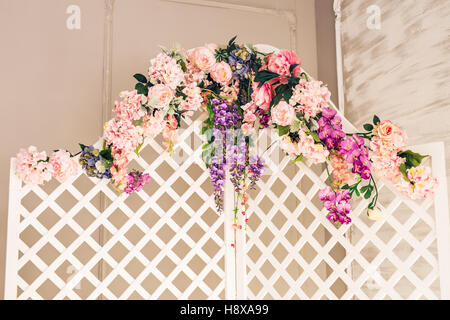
294	252
81	240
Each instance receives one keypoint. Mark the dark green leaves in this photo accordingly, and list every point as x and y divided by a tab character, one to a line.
140	77
368	127
376	120
264	76
106	154
413	159
367	191
82	146
141	88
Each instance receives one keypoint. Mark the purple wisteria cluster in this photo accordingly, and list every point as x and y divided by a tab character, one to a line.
255	170
217	175
357	154
236	159
225	115
136	181
337	204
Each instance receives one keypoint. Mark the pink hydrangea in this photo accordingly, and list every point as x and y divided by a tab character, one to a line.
153	124
310	97
194	99
421	185
62	165
130	108
122	135
164	69
31	166
385	161
289	146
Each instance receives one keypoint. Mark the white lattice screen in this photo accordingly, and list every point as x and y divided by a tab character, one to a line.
80	240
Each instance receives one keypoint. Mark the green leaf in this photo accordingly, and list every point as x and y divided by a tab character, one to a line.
265	75
346	187
299	158
364	189
376	120
287	95
183	65
413	159
231	42
292	67
140	77
368	127
402	169
82	146
106	154
315	136
283	130
368	194
357	192
141	88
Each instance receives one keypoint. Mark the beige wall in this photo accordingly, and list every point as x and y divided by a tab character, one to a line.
57	84
400	72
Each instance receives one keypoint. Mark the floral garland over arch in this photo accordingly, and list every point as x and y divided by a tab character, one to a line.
242	91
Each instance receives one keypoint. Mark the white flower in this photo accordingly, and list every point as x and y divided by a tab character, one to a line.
374	214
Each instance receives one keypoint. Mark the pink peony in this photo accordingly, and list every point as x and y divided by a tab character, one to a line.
280	63
31	166
162	93
283	114
62	165
262	96
203	58
221	73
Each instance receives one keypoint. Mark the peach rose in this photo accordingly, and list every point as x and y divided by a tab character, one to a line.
283	114
386	130
221	73
262	96
203	58
161	92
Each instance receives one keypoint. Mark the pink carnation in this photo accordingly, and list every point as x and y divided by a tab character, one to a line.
31	166
283	114
62	165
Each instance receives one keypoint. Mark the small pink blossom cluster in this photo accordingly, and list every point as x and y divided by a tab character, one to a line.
130	107
310	97
193	100
314	152
31	166
421	184
122	135
119	169
34	167
166	70
136	181
388	141
337	204
249	118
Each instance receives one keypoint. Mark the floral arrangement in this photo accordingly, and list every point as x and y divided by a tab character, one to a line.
242	91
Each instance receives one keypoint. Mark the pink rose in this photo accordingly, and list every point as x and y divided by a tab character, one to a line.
62	165
203	58
262	96
386	130
283	114
161	92
280	62
221	73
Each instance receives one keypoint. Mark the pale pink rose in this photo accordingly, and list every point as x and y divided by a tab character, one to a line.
62	165
262	96
247	128
289	146
221	73
283	114
203	58
386	130
161	92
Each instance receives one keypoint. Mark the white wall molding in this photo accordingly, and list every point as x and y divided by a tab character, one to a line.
339	67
